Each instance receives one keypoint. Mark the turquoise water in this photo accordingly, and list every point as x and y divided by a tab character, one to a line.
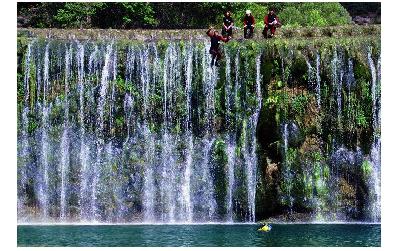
209	235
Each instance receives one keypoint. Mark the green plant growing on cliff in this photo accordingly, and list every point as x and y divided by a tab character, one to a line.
361	120
299	104
219	165
291	156
33	124
366	169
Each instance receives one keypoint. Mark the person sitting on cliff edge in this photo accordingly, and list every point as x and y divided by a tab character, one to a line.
249	22
214	49
227	24
271	22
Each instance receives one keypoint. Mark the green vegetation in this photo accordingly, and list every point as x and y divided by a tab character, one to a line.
314	14
125	15
77	14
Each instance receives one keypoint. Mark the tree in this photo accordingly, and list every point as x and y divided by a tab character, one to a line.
75	15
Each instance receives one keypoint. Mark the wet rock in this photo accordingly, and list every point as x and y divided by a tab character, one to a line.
348	199
268	133
294	134
343	157
267	191
271	172
291	217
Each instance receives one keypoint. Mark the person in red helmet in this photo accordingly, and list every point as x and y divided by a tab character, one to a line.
214	49
249	23
271	21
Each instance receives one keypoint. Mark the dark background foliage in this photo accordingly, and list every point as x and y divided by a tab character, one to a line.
175	15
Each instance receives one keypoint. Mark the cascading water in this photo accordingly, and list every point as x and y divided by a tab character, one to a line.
23	164
250	145
287	172
65	158
317	67
375	180
149	198
132	135
100	132
337	78
187	207
44	141
230	139
314	78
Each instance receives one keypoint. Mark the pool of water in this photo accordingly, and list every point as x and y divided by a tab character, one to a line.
207	235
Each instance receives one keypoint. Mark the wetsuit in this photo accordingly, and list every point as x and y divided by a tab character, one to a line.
227	29
248	21
214	49
269	25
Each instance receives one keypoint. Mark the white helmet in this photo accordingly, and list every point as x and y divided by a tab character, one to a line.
248	12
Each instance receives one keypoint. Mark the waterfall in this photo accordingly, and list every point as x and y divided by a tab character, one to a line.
112	98
149	198
115	132
100	131
287	172
230	139
228	89
207	202
84	148
65	161
231	180
237	86
210	75
350	80
144	76
337	79
375	182
374	86
23	165
251	157
44	140
314	78
375	178
187	207
318	81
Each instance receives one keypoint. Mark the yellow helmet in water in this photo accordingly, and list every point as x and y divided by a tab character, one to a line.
265	228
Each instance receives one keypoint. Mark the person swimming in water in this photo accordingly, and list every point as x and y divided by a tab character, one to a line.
265	227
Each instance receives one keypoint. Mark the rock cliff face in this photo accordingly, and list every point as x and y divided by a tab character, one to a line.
136	126
195	34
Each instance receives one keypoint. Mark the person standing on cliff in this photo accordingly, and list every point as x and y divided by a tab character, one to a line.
214	49
271	21
227	24
249	23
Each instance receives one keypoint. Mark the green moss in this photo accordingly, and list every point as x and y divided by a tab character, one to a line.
361	71
218	172
366	168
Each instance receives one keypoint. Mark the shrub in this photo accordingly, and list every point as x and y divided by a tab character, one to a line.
314	14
